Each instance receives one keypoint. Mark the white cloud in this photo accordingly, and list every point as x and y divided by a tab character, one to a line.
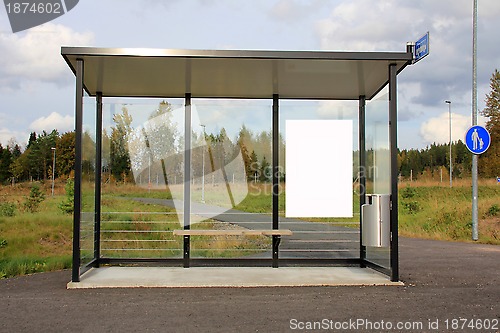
292	11
437	129
366	25
337	109
7	134
53	121
36	55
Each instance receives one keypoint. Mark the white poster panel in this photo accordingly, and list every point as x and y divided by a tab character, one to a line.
319	168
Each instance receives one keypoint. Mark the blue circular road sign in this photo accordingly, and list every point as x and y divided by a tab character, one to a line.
477	139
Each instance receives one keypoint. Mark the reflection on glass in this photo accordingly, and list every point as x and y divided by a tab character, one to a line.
88	184
142	175
378	161
327	237
230	183
230	176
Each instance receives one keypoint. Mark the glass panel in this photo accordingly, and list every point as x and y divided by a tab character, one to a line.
378	161
330	237
142	175
88	184
231	179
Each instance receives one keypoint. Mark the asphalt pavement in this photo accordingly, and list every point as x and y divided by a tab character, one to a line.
447	285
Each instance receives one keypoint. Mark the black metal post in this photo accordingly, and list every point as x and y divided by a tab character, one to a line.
362	172
393	141
275	178
98	179
187	176
75	276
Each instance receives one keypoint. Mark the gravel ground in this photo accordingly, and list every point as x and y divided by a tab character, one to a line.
445	284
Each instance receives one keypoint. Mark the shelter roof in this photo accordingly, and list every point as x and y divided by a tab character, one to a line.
124	72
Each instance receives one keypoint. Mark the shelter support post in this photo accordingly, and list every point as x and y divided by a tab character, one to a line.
187	177
393	141
98	180
362	172
275	178
75	275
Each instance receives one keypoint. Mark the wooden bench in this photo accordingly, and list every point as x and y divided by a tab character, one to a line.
233	232
275	233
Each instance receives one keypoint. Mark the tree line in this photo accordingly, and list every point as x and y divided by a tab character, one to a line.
138	152
35	162
435	159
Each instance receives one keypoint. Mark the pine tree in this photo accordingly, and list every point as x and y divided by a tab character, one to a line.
119	154
254	166
5	162
489	165
31	139
265	171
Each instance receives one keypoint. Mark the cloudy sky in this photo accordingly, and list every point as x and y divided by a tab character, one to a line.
37	87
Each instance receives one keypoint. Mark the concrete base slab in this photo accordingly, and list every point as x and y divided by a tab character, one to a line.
178	277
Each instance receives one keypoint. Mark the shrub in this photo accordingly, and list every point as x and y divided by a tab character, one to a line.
494	210
412	206
67	205
32	203
3	243
408	193
7	209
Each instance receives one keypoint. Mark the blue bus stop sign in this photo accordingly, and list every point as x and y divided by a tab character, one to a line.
477	139
421	48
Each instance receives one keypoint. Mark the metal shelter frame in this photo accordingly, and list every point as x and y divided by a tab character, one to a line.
105	72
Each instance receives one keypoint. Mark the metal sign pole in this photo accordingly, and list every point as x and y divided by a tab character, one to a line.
474	122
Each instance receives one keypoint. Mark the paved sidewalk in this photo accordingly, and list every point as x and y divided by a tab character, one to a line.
178	277
443	281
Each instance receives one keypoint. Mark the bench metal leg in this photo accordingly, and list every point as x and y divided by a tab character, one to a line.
276	244
186	251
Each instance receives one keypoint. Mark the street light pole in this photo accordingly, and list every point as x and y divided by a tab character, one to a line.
451	167
203	168
53	168
149	175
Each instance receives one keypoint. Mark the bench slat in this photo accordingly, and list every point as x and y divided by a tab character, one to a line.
234	232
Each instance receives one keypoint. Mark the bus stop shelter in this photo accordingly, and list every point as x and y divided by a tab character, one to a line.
188	75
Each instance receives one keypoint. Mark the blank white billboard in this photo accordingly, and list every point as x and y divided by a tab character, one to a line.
319	168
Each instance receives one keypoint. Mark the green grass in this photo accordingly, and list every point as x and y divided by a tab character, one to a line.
34	242
444	213
41	241
430	210
29	265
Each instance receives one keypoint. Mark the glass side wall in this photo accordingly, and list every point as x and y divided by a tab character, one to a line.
142	176
378	162
230	176
319	190
87	220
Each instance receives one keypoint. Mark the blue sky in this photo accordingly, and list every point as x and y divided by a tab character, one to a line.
37	87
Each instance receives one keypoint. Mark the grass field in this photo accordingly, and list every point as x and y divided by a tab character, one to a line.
33	242
436	211
41	241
